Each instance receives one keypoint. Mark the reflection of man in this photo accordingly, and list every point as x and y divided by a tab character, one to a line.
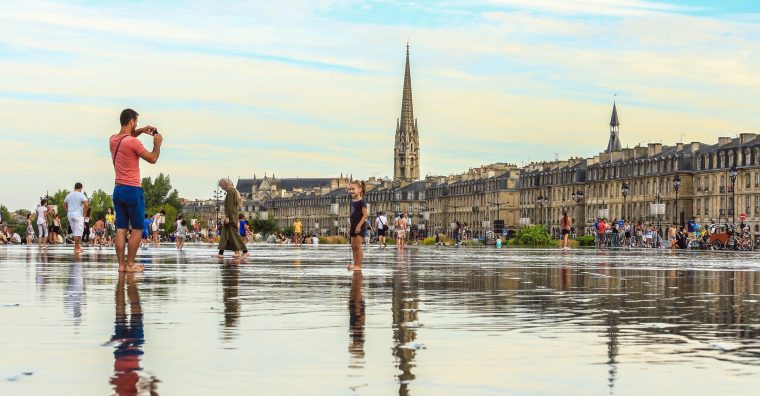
356	319
128	339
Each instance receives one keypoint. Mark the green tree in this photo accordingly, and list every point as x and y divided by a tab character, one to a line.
159	192
5	214
264	226
100	201
23	212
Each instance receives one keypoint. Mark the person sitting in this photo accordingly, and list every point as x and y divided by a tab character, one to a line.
682	239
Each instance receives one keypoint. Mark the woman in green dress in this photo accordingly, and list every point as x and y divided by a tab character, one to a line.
229	236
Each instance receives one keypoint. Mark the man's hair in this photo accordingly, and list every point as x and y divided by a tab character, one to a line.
147	215
163	212
126	116
77	186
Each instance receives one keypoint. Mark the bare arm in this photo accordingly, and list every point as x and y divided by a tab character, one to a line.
139	131
363	220
86	204
152	156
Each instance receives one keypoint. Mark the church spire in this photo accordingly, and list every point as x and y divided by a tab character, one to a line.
407	112
614	143
407	149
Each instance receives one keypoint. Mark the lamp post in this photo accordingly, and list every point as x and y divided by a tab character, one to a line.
624	190
217	197
578	197
676	186
659	217
732	173
542	201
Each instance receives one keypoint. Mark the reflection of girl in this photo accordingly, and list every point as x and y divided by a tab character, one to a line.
229	236
356	318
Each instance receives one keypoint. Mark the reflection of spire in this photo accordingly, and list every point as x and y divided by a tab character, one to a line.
230	294
612	348
404	304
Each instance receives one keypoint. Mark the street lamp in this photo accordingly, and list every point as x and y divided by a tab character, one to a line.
676	186
625	191
578	197
732	173
542	201
217	196
659	217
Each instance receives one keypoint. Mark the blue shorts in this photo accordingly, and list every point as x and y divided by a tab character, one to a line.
129	205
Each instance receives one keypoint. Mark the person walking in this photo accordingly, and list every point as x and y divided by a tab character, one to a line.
110	226
76	205
181	233
401	232
155	227
381	225
565	224
128	195
42	214
86	234
458	234
55	226
29	230
601	235
358	223
229	234
243	225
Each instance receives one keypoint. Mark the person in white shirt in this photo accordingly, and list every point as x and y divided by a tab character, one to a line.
42	225
381	225
76	204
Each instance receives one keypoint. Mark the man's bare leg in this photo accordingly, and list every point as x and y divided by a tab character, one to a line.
119	242
135	236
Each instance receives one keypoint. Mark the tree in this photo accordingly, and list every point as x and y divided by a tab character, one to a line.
100	201
264	226
159	192
171	216
5	214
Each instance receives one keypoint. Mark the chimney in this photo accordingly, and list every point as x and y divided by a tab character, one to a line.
694	147
679	147
722	141
654	149
745	138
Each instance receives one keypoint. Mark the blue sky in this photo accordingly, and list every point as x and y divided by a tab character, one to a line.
313	88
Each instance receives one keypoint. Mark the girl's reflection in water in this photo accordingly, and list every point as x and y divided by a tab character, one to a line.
128	339
356	319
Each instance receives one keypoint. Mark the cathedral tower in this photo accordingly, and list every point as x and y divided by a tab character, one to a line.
406	153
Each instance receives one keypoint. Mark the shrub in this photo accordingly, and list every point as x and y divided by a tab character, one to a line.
585	240
534	235
472	242
428	242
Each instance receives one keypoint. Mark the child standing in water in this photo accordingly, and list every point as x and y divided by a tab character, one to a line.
181	232
358	223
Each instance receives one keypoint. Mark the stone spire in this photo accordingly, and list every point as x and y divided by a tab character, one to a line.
614	143
406	166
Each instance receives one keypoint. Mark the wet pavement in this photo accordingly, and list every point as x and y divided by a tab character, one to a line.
427	321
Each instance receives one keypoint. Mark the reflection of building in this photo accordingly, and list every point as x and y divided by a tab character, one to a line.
405	307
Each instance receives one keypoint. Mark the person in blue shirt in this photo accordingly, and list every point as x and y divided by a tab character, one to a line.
146	226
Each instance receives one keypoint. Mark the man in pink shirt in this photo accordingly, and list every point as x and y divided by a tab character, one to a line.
128	195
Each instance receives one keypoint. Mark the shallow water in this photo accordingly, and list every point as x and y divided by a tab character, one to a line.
427	321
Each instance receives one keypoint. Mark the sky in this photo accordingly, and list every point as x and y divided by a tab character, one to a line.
313	88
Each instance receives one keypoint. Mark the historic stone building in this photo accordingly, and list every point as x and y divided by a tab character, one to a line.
406	153
481	197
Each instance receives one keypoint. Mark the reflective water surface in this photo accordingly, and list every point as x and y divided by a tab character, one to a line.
427	321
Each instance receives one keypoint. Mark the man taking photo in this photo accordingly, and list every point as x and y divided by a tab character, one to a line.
128	196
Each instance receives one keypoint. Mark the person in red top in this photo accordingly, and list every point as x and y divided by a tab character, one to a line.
601	236
128	195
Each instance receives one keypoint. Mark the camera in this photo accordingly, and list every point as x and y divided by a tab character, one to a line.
153	132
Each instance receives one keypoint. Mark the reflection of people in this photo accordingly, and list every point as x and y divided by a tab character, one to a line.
128	339
230	293
75	291
356	320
